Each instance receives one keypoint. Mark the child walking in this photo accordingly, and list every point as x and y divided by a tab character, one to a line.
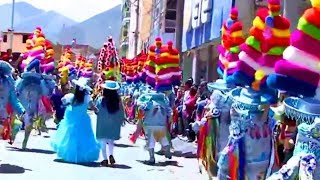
110	117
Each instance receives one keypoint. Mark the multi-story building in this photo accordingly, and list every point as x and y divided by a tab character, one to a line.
124	35
150	19
164	20
145	22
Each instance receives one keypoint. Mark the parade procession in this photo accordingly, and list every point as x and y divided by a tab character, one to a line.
260	119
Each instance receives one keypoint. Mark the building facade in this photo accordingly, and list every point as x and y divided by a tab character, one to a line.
145	21
18	44
163	20
133	28
124	35
202	24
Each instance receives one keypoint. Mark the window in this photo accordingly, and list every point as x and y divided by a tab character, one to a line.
5	38
25	38
171	14
125	33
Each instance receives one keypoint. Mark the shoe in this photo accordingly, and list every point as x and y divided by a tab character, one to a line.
151	162
111	159
104	163
168	152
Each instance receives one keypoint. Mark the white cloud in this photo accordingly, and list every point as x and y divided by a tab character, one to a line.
78	10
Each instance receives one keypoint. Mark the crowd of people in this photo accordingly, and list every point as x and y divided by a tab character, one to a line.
261	120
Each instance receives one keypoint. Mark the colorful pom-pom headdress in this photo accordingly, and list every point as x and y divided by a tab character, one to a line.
232	38
162	67
299	72
108	63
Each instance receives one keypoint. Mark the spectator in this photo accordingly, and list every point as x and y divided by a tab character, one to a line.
188	113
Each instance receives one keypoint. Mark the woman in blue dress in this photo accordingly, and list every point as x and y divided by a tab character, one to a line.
74	141
110	117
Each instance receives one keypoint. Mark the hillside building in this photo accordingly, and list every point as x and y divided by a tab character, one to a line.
19	41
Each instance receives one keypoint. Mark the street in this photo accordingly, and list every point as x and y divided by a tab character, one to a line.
40	162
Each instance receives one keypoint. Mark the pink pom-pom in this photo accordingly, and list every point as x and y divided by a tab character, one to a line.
234	13
274	2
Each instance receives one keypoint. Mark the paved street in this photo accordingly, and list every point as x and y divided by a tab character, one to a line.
40	162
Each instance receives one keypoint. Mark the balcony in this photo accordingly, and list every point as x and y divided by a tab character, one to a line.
124	42
126	14
125	21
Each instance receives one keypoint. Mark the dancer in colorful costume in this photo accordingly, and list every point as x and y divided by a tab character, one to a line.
303	164
108	63
214	126
300	61
35	56
155	112
47	64
9	104
250	152
34	89
66	69
130	67
142	58
87	70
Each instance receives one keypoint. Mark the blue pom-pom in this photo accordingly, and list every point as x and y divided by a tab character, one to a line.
269	21
158	50
229	23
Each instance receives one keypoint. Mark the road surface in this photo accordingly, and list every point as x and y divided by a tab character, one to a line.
39	162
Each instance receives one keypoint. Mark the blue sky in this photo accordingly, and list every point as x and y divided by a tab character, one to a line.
78	10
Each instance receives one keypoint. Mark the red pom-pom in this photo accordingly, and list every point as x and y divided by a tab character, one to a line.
39	28
158	39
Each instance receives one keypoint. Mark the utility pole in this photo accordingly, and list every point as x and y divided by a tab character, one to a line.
179	26
136	33
12	24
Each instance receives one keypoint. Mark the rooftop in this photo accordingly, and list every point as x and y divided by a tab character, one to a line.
22	33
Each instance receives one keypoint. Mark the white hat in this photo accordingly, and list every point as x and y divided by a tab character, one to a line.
82	83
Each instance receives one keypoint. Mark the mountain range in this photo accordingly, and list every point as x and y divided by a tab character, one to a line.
61	29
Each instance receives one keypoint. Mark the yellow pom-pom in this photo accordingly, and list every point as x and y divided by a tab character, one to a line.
259	75
318	66
315	3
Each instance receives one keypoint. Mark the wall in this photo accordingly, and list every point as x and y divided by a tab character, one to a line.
18	46
246	13
145	22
